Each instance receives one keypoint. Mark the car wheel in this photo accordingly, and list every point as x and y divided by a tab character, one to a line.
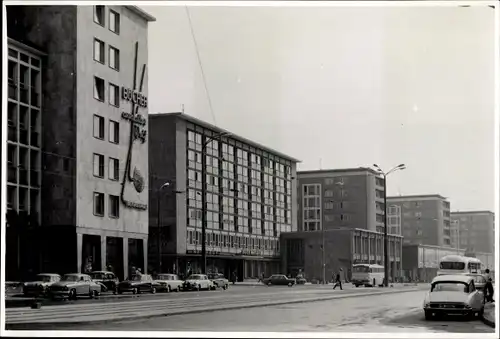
72	294
115	290
120	291
356	286
374	283
269	284
428	315
153	290
290	284
95	293
135	290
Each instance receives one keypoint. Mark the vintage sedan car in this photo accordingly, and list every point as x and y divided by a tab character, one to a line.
219	280
41	284
198	282
168	282
73	285
453	295
279	279
108	280
138	283
300	279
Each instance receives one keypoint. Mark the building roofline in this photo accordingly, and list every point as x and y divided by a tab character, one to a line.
414	197
473	212
339	170
142	13
30	49
207	125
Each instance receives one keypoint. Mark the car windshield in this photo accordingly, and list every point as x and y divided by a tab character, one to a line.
163	277
450	286
44	278
71	277
136	278
97	275
195	277
362	269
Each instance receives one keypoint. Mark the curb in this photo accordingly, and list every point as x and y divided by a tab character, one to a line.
41	325
487	321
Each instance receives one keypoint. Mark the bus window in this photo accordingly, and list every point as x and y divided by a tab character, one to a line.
361	269
448	265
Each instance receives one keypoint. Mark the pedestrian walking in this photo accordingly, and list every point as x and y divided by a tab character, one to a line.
337	281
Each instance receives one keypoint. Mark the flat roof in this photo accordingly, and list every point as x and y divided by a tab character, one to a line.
473	212
416	197
221	130
142	13
339	171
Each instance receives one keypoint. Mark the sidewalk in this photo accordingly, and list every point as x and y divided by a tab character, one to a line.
489	314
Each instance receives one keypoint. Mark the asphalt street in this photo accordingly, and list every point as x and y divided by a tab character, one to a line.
398	312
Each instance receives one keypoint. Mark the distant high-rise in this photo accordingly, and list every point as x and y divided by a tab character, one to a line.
476	230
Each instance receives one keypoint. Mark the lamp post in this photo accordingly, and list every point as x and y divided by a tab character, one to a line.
386	242
206	142
158	223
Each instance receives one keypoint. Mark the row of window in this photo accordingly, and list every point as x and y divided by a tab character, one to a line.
113	205
100	128
100	18
232	241
113	167
100	92
100	54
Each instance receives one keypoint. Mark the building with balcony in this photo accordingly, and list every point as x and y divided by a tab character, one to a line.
250	198
77	137
424	219
475	230
352	198
344	247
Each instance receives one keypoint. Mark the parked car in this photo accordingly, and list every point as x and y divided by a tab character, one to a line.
453	295
198	282
138	283
73	285
219	280
168	282
108	280
300	279
41	284
279	279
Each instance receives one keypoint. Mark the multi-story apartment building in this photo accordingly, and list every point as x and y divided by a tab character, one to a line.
77	109
475	230
330	199
425	219
250	198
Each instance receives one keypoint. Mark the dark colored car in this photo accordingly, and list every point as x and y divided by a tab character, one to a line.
137	284
41	284
219	280
108	279
279	279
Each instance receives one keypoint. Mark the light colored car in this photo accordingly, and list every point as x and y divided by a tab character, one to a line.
219	280
41	284
198	282
453	295
73	285
168	282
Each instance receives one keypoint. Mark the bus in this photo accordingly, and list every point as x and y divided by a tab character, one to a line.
457	264
368	275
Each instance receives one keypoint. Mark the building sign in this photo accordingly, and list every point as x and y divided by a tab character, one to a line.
210	252
137	132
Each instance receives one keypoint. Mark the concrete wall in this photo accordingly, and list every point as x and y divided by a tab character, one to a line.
132	29
52	29
181	175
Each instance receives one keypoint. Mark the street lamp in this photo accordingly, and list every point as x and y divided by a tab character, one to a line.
386	242
158	223
207	141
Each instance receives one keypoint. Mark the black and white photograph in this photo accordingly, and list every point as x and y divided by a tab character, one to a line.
250	168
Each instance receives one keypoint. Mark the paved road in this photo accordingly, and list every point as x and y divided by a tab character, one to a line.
148	305
398	312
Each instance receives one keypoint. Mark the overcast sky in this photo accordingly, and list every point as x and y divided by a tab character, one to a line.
342	87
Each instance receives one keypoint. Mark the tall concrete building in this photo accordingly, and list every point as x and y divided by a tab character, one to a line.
77	124
250	198
425	219
352	198
475	230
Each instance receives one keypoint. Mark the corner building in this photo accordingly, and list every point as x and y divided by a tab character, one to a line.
93	137
250	199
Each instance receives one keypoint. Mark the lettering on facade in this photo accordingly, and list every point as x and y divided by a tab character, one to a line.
136	97
199	252
251	252
137	132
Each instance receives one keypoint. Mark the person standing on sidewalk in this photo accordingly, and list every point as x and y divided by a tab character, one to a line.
338	282
488	287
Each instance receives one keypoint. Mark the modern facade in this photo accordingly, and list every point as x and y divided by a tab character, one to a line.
344	247
329	199
93	162
425	219
250	198
475	231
